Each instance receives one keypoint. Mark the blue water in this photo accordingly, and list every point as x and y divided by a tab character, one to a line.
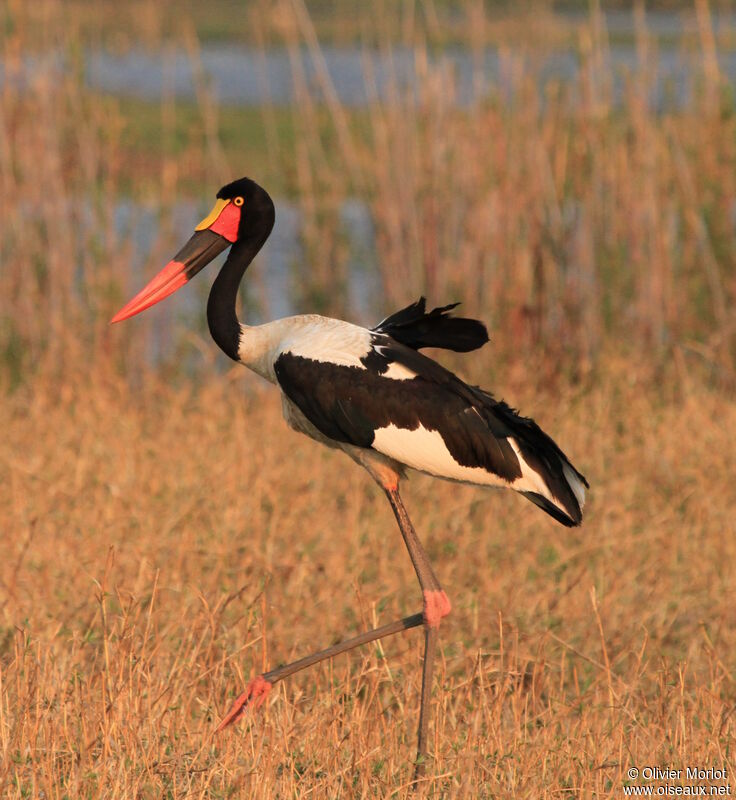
268	288
244	75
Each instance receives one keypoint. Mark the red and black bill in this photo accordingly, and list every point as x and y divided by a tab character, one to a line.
217	231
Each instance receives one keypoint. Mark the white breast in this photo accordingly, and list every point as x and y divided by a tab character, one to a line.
328	340
308	335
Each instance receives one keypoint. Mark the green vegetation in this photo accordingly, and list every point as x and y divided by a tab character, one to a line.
156	550
435	23
254	140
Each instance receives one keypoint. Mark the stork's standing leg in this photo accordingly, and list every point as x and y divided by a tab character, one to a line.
436	606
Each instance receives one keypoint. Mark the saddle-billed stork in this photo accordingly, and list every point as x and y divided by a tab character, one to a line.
372	394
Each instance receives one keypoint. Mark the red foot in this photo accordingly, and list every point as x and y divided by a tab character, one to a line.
436	606
255	694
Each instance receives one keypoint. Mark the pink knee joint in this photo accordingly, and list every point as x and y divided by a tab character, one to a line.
436	606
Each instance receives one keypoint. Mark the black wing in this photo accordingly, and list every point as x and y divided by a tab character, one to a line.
540	452
349	403
416	329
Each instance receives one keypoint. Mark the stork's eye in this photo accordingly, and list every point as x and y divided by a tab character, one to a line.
238	201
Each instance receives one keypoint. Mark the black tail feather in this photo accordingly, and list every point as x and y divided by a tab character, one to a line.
552	510
544	456
415	328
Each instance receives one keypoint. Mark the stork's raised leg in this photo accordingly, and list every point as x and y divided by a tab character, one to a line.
436	606
256	691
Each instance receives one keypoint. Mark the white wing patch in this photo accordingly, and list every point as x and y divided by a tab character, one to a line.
398	372
425	450
530	481
578	489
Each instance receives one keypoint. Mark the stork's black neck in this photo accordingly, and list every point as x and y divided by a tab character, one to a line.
221	317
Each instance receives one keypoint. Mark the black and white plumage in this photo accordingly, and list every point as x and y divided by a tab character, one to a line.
365	389
372	394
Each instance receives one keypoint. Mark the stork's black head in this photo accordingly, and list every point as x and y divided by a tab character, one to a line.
243	187
255	204
243	215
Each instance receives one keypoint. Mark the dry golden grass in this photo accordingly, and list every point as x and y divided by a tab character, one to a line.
161	545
